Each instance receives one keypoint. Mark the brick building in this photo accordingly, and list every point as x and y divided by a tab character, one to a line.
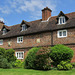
48	31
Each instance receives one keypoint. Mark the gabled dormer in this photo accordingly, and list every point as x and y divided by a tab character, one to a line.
5	30
24	25
61	18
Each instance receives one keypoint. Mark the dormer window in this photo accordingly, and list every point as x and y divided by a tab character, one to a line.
4	31
61	20
24	27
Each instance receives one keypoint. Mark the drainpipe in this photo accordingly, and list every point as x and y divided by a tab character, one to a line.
52	38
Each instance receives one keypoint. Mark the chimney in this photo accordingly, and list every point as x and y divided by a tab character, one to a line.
46	13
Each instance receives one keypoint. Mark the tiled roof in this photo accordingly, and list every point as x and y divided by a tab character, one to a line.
39	26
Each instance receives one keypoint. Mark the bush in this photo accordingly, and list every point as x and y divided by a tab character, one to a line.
4	63
17	64
43	61
10	55
64	65
30	58
38	58
2	52
73	64
61	53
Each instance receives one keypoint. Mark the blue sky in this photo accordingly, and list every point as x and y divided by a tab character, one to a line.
12	12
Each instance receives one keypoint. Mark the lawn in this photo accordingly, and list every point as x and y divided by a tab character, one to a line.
35	72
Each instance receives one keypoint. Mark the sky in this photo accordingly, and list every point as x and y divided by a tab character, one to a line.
12	12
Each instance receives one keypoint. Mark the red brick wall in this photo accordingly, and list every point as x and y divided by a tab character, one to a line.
66	40
29	41
45	39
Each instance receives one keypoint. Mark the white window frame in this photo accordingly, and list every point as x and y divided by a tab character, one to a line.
1	41
62	33
62	20
4	31
24	27
18	57
20	39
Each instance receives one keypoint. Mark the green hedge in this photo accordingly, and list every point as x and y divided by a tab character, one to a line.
38	58
2	52
6	57
4	63
30	58
61	53
10	55
43	61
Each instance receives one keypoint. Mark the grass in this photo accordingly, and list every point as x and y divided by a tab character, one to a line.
35	72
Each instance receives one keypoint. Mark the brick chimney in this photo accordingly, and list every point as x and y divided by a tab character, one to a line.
46	13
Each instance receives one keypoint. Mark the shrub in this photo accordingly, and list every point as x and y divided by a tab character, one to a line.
61	53
17	64
64	65
43	61
4	63
38	58
2	52
30	58
10	55
73	64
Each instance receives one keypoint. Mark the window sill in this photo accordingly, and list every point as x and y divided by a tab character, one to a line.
62	37
1	44
19	42
20	58
61	24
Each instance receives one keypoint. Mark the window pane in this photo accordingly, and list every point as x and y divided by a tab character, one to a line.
22	55
24	27
60	33
21	39
60	20
63	20
64	33
17	55
1	42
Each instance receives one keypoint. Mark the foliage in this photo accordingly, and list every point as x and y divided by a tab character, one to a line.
73	64
43	61
4	63
17	64
64	65
61	53
38	58
2	52
30	58
10	55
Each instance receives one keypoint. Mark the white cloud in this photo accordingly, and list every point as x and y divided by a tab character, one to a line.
32	6
5	9
1	19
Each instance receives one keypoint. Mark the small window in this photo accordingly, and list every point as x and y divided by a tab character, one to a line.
61	20
19	55
20	39
1	42
24	27
62	33
4	31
